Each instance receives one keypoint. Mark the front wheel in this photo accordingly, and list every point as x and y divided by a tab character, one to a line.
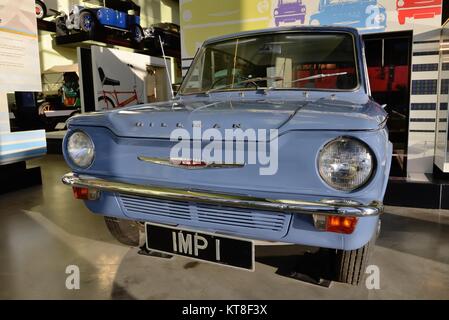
137	34
87	22
75	113
44	107
61	28
41	9
105	103
351	264
126	232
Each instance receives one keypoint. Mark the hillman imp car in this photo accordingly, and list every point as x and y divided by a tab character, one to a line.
273	136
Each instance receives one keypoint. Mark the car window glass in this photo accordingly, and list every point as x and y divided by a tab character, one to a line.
279	61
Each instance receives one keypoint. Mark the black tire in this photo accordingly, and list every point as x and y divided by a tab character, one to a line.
88	23
137	34
74	113
107	101
126	232
351	264
41	9
61	28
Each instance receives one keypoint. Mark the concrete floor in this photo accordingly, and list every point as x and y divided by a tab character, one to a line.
44	230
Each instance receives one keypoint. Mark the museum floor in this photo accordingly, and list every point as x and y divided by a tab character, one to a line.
43	230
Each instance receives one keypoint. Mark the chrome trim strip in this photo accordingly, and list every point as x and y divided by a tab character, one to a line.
325	207
177	163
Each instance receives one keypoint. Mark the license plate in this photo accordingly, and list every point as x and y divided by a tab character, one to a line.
208	247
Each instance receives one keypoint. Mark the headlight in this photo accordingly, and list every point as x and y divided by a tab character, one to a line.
80	149
400	3
345	163
276	12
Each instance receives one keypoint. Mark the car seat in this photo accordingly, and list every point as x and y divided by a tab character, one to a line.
105	81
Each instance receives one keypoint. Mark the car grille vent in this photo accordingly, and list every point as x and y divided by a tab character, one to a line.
209	216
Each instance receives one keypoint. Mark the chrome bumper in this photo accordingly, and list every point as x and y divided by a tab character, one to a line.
325	207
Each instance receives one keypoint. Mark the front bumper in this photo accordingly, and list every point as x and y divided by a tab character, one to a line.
325	206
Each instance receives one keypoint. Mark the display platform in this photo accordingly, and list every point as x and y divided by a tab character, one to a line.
46	25
15	149
83	39
15	176
54	141
149	46
21	146
424	192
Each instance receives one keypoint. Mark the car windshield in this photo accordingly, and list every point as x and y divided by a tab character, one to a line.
312	61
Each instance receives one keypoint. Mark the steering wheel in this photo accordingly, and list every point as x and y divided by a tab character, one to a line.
239	79
217	81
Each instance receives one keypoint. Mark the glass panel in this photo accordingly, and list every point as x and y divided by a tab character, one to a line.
442	138
388	59
276	61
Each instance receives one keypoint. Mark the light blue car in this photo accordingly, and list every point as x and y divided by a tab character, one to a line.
272	137
365	15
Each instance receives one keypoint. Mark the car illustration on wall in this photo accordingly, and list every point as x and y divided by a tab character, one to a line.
289	11
366	15
417	9
310	85
114	16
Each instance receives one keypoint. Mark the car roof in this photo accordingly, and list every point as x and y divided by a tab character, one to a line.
284	29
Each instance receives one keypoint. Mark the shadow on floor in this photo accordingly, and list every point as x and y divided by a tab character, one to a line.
418	237
315	267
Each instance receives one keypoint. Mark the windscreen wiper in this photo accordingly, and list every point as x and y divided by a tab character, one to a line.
316	76
319	76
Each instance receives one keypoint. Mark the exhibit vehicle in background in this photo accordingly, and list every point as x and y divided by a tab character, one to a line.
112	16
366	15
289	11
302	95
41	9
169	34
60	98
110	98
418	9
